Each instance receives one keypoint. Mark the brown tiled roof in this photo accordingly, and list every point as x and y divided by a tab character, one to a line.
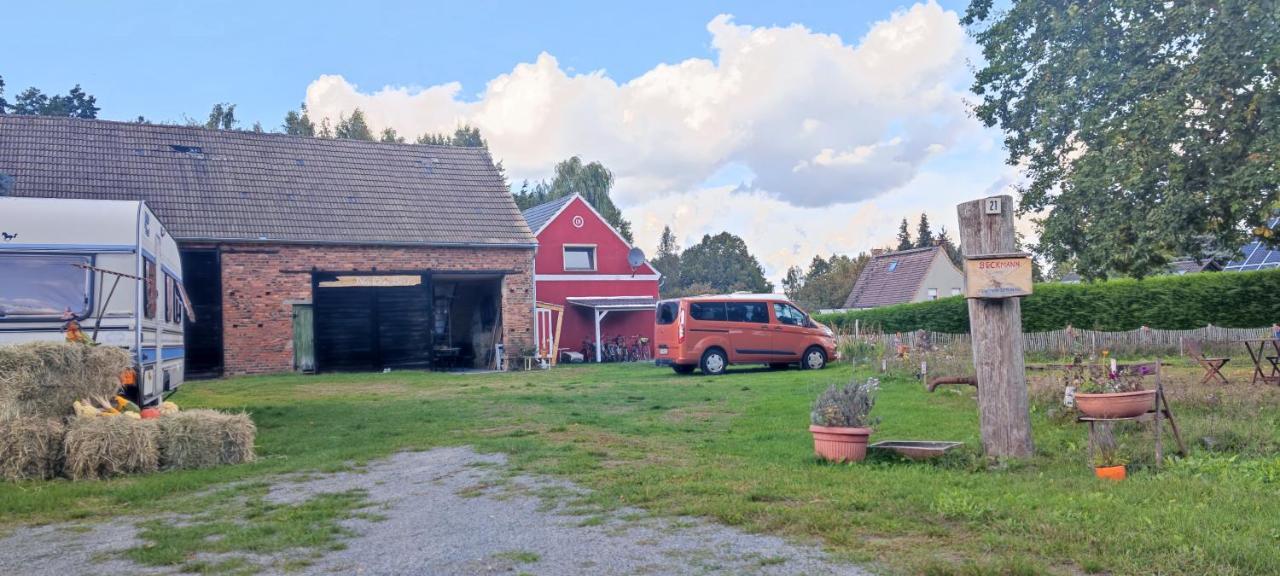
883	283
233	185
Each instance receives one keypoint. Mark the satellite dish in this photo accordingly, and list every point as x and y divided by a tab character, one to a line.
635	257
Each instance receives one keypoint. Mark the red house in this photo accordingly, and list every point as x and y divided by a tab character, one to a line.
587	292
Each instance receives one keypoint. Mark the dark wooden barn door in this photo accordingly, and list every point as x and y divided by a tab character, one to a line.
202	279
371	328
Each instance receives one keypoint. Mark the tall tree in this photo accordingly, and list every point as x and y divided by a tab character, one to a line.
222	117
353	127
4	105
1149	130
793	283
299	123
465	136
32	102
924	235
593	181
828	281
389	135
667	260
904	236
722	263
953	252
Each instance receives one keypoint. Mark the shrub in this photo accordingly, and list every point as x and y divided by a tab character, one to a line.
847	407
1227	299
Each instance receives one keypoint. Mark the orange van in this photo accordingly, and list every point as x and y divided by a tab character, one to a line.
712	332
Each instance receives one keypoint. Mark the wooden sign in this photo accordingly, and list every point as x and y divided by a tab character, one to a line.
997	276
372	281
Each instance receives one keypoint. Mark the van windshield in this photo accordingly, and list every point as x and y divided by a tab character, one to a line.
43	285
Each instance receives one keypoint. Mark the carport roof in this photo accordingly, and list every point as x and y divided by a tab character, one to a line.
229	185
616	302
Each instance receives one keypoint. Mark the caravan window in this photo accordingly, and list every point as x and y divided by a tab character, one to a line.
149	292
43	285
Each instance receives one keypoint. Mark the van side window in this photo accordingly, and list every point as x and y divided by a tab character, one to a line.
788	314
150	292
754	312
707	311
667	312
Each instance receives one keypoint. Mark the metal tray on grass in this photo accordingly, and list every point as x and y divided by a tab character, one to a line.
917	449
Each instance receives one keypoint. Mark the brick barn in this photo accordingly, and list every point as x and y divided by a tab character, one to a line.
307	253
585	282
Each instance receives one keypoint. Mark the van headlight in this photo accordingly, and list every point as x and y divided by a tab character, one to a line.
828	332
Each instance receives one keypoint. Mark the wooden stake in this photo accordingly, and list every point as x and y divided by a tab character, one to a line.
996	328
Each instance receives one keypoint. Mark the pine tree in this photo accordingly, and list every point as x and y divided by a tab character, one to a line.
904	236
924	236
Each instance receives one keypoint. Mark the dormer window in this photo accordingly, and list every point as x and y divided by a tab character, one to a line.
893	266
579	258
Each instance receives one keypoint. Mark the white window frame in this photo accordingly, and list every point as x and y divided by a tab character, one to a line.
932	293
595	257
955	291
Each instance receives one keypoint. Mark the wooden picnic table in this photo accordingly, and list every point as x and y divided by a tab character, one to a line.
1257	347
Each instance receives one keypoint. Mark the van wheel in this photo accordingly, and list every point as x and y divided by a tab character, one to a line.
683	368
713	362
814	359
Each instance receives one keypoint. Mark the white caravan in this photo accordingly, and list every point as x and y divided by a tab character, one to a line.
90	260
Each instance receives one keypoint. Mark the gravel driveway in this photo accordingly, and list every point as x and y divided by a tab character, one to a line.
454	511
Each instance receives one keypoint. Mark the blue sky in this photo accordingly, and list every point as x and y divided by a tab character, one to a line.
166	59
804	127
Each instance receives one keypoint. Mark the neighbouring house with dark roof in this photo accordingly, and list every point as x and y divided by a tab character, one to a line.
587	289
307	253
913	275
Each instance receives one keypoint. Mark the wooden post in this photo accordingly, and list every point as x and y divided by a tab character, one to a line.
996	328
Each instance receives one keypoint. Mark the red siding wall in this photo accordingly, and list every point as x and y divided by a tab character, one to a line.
611	260
260	283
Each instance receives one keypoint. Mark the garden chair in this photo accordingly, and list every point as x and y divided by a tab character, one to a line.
1212	366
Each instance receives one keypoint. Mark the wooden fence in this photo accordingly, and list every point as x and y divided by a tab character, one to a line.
1071	340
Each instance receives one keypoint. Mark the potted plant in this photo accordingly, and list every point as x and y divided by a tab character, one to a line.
1112	394
1109	466
840	421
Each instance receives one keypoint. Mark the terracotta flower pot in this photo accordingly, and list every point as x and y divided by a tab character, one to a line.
1115	404
1109	472
838	444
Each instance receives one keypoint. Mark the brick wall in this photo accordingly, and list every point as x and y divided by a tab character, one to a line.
260	282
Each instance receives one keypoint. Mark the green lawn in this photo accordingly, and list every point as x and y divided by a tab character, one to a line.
736	449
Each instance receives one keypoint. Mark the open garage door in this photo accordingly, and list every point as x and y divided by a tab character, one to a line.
370	322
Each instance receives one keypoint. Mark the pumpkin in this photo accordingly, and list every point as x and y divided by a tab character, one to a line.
150	413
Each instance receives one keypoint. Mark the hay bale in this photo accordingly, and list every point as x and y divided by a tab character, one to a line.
205	438
102	447
44	378
30	448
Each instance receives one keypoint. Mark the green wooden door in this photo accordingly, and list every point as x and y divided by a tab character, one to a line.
304	343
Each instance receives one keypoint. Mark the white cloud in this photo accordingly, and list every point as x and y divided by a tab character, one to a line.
828	129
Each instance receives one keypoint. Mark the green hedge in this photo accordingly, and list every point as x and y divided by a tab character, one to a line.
1228	299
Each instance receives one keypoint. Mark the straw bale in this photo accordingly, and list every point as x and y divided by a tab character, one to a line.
205	438
106	446
30	447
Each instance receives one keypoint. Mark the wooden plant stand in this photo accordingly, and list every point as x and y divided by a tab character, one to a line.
1157	415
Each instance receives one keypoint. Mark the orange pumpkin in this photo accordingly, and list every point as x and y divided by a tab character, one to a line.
150	413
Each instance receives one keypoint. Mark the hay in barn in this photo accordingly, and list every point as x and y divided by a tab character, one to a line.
205	438
102	447
44	378
30	447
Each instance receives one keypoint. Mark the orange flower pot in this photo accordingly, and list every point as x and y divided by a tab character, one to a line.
1116	404
1109	472
837	444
